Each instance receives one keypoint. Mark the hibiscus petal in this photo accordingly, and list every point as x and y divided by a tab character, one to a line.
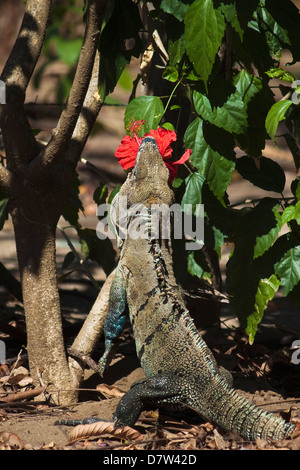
164	138
127	152
172	171
184	157
128	149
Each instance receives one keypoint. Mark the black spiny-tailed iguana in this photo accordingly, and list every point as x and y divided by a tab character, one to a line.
179	367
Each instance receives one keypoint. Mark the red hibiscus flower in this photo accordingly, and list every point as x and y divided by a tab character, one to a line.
127	151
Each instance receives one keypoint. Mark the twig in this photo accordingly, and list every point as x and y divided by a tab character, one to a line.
288	330
84	358
282	402
24	395
93	168
253	201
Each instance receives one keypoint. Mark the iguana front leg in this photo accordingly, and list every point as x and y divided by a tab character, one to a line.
115	319
153	391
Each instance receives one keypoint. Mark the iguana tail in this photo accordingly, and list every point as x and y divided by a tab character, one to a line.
231	411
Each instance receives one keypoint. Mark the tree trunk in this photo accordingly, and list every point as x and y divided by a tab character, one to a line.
35	212
37	179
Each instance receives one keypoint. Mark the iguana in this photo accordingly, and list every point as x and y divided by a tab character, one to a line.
180	369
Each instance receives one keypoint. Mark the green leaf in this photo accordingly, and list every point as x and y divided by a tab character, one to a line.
276	36
123	22
245	11
253	51
197	265
263	242
68	50
148	108
275	115
297	213
74	204
241	280
247	85
232	116
125	80
100	194
113	193
216	169
286	15
193	194
267	288
281	74
264	173
294	149
169	126
171	74
175	8
204	29
176	49
253	141
219	241
69	258
230	14
295	187
63	88
97	250
288	269
254	224
244	271
177	183
288	214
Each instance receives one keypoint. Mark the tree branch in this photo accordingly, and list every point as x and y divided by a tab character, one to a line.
90	110
16	75
26	51
92	328
62	134
87	118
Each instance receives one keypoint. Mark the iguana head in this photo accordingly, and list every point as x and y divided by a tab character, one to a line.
147	183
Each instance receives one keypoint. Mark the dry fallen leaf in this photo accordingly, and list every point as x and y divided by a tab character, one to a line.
10	439
261	444
103	427
220	443
294	444
21	380
4	370
110	390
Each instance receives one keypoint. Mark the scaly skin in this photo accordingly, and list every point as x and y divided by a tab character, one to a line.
180	369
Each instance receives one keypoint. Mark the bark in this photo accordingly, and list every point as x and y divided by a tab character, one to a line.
35	232
89	334
37	181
